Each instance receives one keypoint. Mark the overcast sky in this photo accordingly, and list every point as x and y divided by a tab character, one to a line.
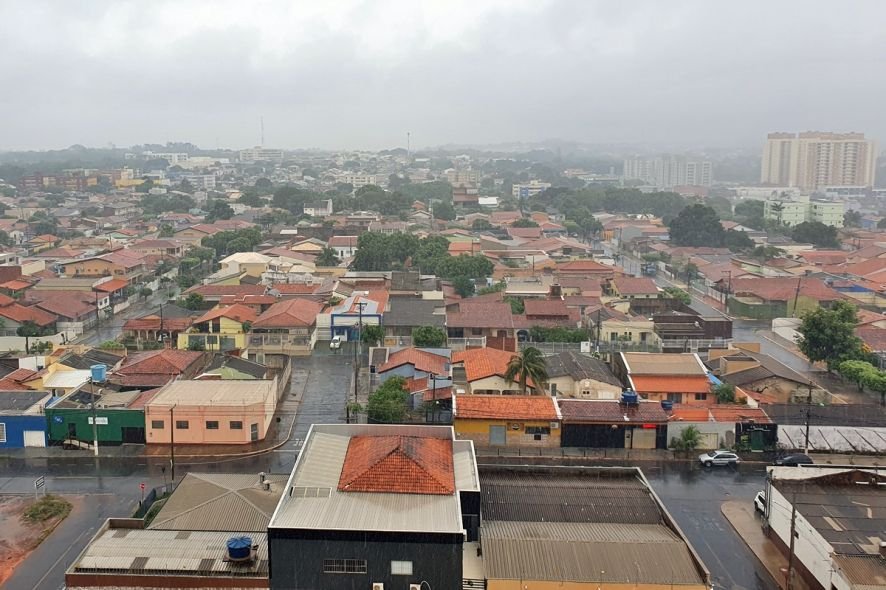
360	74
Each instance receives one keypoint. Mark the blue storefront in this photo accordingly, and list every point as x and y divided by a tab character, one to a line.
22	422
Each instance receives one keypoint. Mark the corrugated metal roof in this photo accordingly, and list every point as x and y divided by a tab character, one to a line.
200	393
136	551
586	553
214	502
862	571
319	468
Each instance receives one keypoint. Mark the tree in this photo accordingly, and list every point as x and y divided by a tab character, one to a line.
817	233
372	334
5	239
193	301
737	241
327	257
876	382
778	208
196	345
828	335
525	222
428	337
697	225
388	403
29	329
882	223
852	218
463	286
42	347
145	292
678	294
764	253
481	224
238	245
444	211
219	210
855	371
166	231
528	365
689	439
517	305
724	392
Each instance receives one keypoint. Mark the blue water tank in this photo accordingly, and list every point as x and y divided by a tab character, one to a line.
629	396
99	373
667	405
239	548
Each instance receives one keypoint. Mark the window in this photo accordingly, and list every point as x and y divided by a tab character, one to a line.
613	336
700	397
553	389
477	331
675	397
236	425
157	424
643	336
2	432
401	568
212	425
344	566
181	424
538	430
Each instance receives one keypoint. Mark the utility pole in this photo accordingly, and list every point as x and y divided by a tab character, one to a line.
790	572
172	444
728	274
356	355
94	417
808	412
599	329
797	297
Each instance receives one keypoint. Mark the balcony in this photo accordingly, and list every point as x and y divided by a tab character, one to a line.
280	343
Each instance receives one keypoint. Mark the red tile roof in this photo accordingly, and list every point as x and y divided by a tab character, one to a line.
481	315
670	384
524	232
342	241
578	266
7	384
784	288
480	363
398	465
152	322
295	313
16	285
635	286
610	411
6	300
728	413
20	375
154	368
683	413
422	360
546	307
505	407
294	288
427	388
66	307
873	337
20	314
238	313
112	285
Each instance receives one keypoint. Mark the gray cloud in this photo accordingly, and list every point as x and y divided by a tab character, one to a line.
362	74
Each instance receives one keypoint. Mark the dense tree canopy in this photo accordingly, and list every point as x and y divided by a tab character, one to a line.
817	233
575	204
444	211
828	335
388	403
428	336
156	204
697	225
228	242
749	212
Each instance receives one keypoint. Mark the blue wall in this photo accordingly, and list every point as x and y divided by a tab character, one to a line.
16	426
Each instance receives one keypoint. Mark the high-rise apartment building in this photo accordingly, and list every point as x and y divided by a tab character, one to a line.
261	154
814	160
669	171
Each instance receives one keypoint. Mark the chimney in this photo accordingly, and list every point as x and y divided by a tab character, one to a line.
267	486
261	477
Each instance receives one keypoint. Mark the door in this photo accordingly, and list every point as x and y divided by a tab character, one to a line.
35	438
497	435
72	430
644	438
132	434
757	440
253	432
709	440
629	438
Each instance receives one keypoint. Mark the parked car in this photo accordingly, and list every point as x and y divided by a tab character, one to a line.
794	460
718	458
335	343
760	502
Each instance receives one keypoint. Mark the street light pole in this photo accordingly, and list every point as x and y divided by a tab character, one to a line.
172	445
94	417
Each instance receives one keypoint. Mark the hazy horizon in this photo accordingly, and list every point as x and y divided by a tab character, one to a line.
360	75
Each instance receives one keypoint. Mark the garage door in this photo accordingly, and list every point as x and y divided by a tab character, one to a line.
35	438
709	440
644	438
497	435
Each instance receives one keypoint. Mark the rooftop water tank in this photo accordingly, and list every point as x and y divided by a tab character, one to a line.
629	396
99	373
239	548
667	405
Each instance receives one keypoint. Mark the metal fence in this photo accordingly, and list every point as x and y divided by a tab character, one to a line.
605	347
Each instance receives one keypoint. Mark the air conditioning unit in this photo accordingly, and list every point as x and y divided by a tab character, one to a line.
415	587
555	425
378	586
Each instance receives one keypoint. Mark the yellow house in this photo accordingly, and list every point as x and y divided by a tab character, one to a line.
194	235
219	329
507	420
58	378
250	263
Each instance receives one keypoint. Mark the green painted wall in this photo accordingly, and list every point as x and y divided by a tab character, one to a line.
58	420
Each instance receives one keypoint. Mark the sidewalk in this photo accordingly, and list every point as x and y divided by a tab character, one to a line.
741	516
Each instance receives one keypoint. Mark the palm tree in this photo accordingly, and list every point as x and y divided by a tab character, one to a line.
777	208
528	365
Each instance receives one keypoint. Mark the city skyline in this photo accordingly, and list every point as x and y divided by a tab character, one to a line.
362	76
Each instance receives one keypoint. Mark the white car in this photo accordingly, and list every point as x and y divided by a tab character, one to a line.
718	458
335	343
760	502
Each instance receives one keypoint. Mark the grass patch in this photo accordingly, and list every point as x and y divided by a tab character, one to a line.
154	510
46	508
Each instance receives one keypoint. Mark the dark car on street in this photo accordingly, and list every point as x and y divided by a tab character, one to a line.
794	460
